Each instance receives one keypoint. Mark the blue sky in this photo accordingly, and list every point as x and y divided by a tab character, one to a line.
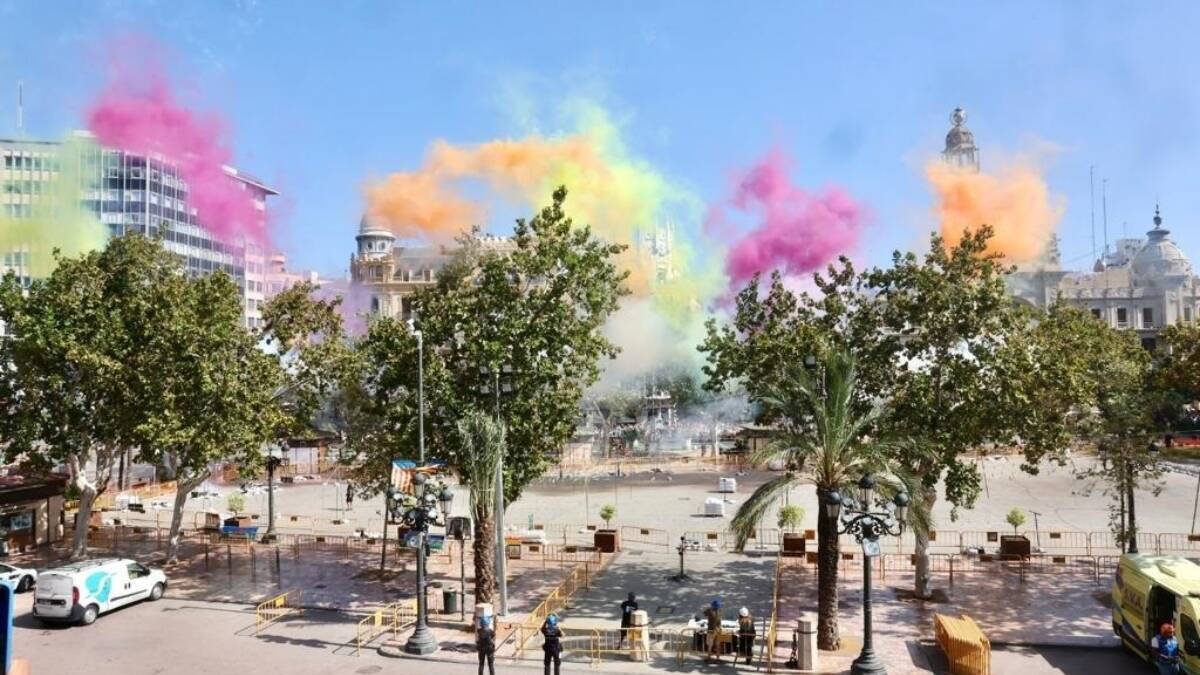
321	96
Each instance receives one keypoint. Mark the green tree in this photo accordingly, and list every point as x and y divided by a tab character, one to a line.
827	442
304	337
607	513
926	332
1016	518
235	502
529	313
212	390
78	367
790	517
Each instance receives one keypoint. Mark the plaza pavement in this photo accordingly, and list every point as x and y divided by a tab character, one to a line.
1062	608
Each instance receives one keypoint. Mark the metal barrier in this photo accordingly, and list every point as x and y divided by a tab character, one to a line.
645	535
966	647
579	577
283	605
394	617
673	641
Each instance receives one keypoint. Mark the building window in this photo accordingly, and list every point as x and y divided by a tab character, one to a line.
1187	314
1095	312
1122	317
1147	317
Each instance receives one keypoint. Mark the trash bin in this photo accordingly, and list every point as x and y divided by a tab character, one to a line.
449	600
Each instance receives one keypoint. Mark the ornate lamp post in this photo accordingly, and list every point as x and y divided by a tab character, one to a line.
682	548
419	511
868	526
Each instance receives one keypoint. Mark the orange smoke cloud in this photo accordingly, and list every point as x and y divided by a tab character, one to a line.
1015	202
415	203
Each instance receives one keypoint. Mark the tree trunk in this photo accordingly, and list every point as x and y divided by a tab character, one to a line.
923	578
183	488
485	555
87	496
827	579
88	491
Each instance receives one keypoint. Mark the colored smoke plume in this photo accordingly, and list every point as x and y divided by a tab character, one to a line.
137	112
621	197
58	220
1014	201
797	231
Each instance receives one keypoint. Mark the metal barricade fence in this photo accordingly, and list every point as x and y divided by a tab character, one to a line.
709	540
279	607
632	534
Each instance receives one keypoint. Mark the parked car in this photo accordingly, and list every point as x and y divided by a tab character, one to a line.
80	592
21	578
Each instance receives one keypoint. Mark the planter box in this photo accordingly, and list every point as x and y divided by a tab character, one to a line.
607	541
793	544
1015	545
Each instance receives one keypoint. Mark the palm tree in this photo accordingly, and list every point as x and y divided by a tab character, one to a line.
825	442
480	444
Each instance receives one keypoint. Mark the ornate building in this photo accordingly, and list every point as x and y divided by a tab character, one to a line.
1143	285
1152	288
389	275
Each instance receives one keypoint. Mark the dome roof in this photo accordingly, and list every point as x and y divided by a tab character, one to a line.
1160	257
959	136
368	227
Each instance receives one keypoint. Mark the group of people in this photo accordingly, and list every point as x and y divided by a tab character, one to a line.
485	644
552	634
745	635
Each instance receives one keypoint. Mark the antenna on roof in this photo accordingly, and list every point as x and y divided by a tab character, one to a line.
1092	203
1104	210
20	107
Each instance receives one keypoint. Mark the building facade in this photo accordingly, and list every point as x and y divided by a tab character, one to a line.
388	275
132	193
1142	284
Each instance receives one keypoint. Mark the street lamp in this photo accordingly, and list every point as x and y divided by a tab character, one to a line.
867	527
418	511
273	463
683	546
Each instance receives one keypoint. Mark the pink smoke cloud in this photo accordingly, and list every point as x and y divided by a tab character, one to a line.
137	112
797	232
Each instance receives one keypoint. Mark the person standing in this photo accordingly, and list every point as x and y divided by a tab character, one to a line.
552	647
712	616
1164	649
746	635
485	644
628	607
349	496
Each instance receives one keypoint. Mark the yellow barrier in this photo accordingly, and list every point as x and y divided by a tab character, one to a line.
579	577
966	647
278	607
394	617
658	640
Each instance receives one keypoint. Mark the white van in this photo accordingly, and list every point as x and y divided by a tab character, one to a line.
82	591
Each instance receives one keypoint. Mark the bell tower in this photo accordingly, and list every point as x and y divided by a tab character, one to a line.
960	149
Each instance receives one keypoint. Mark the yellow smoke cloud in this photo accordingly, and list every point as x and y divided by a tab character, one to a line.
58	220
1015	201
619	196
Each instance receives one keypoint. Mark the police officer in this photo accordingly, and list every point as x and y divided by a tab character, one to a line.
1165	650
627	609
745	634
485	644
553	644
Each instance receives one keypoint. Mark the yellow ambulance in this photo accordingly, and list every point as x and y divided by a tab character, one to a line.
1150	590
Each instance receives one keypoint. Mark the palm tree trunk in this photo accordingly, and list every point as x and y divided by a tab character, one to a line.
827	579
485	554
